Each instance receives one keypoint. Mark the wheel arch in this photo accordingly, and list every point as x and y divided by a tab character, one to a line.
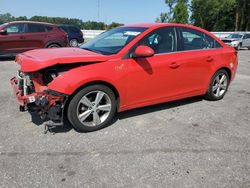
227	70
53	42
98	82
216	70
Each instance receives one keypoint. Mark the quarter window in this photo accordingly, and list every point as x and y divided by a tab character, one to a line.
36	28
15	28
196	40
161	40
74	30
48	28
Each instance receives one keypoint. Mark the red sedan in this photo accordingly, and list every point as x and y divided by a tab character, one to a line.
124	68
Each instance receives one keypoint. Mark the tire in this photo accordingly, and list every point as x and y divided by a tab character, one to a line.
73	43
54	46
218	88
248	48
238	47
87	112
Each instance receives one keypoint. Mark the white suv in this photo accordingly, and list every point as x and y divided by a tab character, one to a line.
238	40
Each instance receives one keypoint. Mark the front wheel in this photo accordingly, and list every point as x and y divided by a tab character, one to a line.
238	47
92	108
73	43
218	86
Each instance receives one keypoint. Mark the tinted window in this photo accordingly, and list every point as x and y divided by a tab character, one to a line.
248	36
48	28
64	28
36	28
15	28
74	30
161	40
196	40
235	36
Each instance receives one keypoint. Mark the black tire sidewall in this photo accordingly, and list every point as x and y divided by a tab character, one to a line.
72	108
53	46
210	95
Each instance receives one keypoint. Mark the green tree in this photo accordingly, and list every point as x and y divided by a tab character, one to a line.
59	20
213	15
113	25
168	16
180	12
6	18
221	15
163	18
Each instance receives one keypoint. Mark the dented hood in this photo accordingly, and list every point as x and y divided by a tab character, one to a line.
35	60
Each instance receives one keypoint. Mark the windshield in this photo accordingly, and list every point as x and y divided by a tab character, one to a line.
3	25
235	36
112	41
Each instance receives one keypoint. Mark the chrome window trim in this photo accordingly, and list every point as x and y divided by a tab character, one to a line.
187	51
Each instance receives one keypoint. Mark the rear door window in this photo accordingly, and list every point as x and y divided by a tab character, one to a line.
196	40
64	28
15	28
74	30
36	28
48	28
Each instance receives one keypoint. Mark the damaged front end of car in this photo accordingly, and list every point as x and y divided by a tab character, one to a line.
33	95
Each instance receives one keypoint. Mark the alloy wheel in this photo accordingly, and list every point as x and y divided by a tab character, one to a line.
73	43
94	108
220	85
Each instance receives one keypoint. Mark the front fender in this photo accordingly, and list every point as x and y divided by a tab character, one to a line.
70	81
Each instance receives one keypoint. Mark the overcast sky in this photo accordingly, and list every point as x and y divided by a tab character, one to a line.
123	11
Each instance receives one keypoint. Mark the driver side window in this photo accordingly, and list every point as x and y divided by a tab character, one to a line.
15	28
162	40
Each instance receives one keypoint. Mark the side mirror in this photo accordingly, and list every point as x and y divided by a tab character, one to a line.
3	32
144	51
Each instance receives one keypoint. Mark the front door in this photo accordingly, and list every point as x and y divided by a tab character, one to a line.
13	41
151	79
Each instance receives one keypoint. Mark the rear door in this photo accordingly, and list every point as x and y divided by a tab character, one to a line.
196	54
36	36
13	41
246	40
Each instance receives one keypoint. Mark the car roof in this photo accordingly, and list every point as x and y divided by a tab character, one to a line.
14	22
66	25
159	25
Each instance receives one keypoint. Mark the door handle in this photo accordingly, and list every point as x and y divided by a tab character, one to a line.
22	37
209	59
174	65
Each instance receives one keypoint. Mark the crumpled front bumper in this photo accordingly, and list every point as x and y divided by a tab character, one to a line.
21	100
47	103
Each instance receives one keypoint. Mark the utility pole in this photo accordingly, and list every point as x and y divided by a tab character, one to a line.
98	11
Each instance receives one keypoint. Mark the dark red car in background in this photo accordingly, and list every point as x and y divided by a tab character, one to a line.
17	37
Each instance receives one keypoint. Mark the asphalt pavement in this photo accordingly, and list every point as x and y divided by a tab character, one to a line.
187	143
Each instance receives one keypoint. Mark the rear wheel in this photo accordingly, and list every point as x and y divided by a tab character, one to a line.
53	46
92	108
218	86
73	43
